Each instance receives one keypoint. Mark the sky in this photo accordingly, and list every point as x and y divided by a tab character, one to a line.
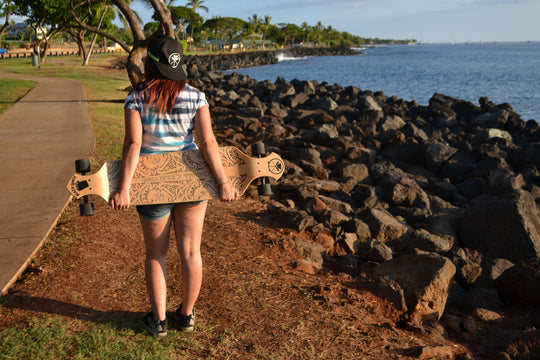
430	21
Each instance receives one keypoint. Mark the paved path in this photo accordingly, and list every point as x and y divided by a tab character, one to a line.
41	137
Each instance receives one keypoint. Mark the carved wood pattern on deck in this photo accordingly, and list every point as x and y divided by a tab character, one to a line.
178	176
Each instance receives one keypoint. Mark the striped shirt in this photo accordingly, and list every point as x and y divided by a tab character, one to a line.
168	132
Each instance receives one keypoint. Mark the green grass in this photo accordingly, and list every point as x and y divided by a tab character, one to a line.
55	338
12	90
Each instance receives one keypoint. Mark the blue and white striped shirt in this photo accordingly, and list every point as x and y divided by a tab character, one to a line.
168	132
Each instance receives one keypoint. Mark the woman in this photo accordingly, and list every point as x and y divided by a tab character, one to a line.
161	115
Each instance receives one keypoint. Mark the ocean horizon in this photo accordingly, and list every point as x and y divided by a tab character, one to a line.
503	72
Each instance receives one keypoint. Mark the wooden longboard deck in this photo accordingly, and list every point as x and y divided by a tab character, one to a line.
177	176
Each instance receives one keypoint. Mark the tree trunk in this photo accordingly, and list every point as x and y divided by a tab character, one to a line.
87	57
4	27
44	46
79	39
135	66
90	49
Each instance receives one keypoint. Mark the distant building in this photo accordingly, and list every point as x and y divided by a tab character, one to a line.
214	42
115	47
258	43
14	31
41	32
236	44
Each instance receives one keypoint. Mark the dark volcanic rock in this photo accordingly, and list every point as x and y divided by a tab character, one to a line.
521	283
503	226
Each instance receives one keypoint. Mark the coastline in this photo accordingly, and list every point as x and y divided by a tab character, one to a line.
502	72
437	204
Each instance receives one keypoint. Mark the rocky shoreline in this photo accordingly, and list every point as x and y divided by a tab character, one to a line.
437	206
200	65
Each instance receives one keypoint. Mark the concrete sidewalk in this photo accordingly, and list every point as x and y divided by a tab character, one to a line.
41	136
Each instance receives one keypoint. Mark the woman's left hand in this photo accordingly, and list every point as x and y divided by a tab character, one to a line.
227	192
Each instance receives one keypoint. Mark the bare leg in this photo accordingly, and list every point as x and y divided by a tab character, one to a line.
188	226
156	237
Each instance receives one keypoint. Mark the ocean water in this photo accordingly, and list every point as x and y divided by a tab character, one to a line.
503	72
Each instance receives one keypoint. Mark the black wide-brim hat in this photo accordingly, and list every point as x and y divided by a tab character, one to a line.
167	55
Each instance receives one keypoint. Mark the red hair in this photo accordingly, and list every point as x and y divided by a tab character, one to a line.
159	92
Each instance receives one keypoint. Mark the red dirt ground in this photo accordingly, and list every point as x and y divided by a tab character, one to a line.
92	269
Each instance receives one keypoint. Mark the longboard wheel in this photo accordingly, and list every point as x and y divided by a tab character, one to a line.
82	166
265	189
258	150
86	209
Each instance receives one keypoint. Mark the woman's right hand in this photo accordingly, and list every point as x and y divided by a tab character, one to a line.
120	200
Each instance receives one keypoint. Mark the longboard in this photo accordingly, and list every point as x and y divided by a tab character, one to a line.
173	177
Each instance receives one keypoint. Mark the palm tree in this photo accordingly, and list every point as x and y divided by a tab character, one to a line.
6	8
255	24
265	26
196	4
307	29
318	32
94	38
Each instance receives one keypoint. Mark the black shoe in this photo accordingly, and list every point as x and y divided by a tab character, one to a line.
185	322
154	327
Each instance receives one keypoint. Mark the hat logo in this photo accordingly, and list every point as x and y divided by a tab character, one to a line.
174	60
